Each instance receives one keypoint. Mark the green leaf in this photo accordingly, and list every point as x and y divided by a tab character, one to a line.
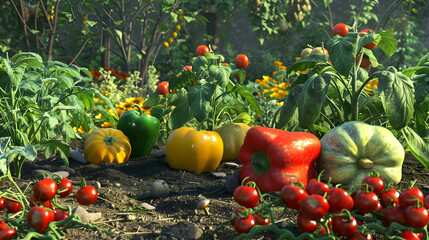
243	117
27	59
153	99
199	97
372	58
27	152
87	97
248	96
397	96
306	62
119	33
181	115
368	38
424	60
57	146
289	110
387	42
31	82
91	23
179	97
182	79
343	51
198	64
4	142
312	98
220	75
418	147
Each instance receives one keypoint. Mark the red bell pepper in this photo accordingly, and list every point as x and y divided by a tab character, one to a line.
272	157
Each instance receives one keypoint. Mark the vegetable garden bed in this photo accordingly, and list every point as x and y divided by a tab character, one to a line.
124	187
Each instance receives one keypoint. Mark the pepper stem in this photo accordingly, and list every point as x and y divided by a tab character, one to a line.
365	163
140	109
109	140
261	163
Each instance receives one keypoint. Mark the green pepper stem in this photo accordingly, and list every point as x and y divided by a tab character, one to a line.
261	163
140	109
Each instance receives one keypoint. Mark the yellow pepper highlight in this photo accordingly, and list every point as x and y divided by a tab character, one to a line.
194	151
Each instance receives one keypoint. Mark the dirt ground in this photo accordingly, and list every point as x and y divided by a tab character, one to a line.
175	216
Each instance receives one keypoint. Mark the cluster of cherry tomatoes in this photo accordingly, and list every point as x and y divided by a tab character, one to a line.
42	203
323	209
342	30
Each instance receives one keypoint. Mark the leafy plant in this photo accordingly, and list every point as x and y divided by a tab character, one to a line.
40	104
329	95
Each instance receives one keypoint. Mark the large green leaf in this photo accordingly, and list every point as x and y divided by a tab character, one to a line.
312	98
220	74
31	82
27	59
368	38
306	62
248	96
179	97
4	142
199	97
27	152
397	96
289	108
387	42
342	52
153	99
182	79
198	64
180	115
418	147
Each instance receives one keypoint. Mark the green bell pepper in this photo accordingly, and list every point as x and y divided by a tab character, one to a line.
141	129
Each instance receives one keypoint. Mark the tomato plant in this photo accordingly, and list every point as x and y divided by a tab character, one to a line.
364	62
39	218
34	201
202	50
340	29
12	206
65	187
45	189
314	207
86	195
246	196
162	88
292	196
188	67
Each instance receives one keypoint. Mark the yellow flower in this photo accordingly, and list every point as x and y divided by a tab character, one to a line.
278	63
297	58
106	125
274	73
283	68
106	93
98	116
279	103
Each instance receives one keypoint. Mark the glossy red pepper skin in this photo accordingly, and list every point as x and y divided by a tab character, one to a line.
272	157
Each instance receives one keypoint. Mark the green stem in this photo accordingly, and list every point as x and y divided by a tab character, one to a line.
355	95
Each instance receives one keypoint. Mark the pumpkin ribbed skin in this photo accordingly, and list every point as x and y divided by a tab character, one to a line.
355	149
107	145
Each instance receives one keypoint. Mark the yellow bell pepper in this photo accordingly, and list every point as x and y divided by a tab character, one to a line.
232	135
107	145
194	151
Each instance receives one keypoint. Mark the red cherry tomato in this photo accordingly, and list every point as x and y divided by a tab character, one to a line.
365	202
65	184
45	189
389	198
368	45
304	224
260	220
241	61
189	68
292	196
2	204
3	225
390	215
416	217
236	212
244	225
358	235
343	227
162	88
12	206
246	196
8	233
340	29
202	50
316	187
314	207
60	214
426	202
410	197
409	235
365	61
39	218
339	199
86	196
34	201
376	183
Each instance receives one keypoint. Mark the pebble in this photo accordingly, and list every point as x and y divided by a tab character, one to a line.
159	153
233	181
159	188
232	164
117	185
77	156
184	229
219	174
85	216
148	206
97	185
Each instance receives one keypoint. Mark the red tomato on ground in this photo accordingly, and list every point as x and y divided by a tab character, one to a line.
241	61
340	29
416	217
368	45
314	207
2	204
365	202
410	197
45	189
409	235
316	187
7	234
342	227
389	198
339	199
34	201
390	215
358	235
162	88
12	206
246	196
244	225
260	220
202	50
65	184
39	218
304	224
376	183
86	196
292	196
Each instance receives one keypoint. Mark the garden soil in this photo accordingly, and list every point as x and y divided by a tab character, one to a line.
124	187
